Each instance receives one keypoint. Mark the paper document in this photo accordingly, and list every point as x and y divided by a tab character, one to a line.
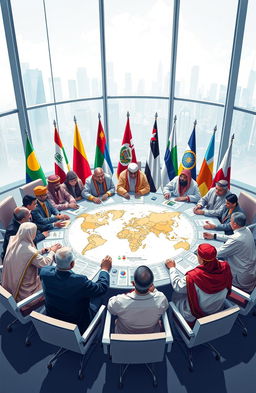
134	200
77	211
108	201
55	235
50	243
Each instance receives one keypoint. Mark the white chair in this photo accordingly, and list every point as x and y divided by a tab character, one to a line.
245	301
126	349
205	329
9	303
67	335
7	206
27	189
248	204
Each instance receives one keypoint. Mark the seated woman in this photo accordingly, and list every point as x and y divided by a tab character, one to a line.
21	263
73	185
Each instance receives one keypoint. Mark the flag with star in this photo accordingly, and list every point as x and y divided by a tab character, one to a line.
152	169
188	160
102	158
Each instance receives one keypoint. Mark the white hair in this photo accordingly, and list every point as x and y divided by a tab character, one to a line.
63	258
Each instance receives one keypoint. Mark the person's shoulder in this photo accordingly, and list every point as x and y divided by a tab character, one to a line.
47	271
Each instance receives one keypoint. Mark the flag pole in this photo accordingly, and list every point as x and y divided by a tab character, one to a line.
75	120
175	118
156	116
128	114
99	116
195	123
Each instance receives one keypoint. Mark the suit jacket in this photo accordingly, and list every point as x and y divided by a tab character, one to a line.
64	199
225	220
11	230
43	222
142	186
67	294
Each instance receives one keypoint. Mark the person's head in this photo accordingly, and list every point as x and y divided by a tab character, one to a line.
71	178
133	170
231	201
53	182
27	232
221	187
143	279
237	221
22	214
29	202
99	175
185	177
41	193
64	258
206	254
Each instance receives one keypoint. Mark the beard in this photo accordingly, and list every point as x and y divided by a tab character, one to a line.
183	183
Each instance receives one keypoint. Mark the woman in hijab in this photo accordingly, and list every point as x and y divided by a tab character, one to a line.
73	185
21	263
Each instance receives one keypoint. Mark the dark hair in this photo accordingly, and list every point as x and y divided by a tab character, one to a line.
76	191
232	198
28	199
143	279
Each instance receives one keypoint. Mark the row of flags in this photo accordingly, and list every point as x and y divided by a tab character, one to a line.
155	176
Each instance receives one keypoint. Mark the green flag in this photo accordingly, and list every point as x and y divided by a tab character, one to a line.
33	167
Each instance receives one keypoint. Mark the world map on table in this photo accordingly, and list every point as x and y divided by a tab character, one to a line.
132	231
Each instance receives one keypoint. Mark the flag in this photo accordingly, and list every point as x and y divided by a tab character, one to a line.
170	167
224	170
80	162
102	158
127	151
60	159
33	167
188	160
152	169
204	178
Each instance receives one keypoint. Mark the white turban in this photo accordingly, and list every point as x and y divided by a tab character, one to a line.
133	167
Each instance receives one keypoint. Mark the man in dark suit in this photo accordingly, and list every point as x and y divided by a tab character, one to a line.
67	294
45	216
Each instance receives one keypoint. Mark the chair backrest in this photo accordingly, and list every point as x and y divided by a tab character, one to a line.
213	326
8	302
27	189
7	206
137	348
248	204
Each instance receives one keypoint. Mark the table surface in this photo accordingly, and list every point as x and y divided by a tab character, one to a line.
122	272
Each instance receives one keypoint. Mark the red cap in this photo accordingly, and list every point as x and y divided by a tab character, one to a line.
207	252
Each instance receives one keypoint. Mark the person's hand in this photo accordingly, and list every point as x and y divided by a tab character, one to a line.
106	263
170	263
167	195
63	217
126	195
43	251
196	208
208	225
104	197
181	199
199	212
208	236
73	205
137	195
45	233
55	247
59	224
96	200
78	198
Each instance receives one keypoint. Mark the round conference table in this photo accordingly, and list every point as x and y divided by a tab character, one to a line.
123	266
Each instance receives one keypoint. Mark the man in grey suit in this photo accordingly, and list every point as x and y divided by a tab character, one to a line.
98	187
213	203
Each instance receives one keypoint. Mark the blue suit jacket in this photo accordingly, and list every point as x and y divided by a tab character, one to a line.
67	294
43	222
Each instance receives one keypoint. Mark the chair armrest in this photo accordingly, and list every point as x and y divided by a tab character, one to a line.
168	332
106	333
29	299
241	293
93	323
182	320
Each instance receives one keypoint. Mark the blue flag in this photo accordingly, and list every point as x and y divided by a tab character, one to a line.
188	160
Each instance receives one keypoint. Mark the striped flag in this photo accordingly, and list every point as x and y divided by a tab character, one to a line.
204	178
170	167
33	167
102	158
127	151
80	161
152	169
224	171
60	158
188	160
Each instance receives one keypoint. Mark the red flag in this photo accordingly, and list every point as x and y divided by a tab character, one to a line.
80	162
59	163
224	170
127	151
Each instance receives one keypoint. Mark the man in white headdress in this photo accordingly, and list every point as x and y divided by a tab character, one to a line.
132	180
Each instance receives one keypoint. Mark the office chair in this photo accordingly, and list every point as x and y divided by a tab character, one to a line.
127	349
248	204
67	336
205	329
7	206
27	189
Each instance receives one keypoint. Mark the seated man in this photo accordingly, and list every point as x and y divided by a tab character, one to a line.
239	250
213	203
183	187
98	187
45	216
132	180
231	206
139	311
58	196
202	291
20	215
67	294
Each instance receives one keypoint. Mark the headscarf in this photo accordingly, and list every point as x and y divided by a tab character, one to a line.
52	181
211	277
183	189
76	190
